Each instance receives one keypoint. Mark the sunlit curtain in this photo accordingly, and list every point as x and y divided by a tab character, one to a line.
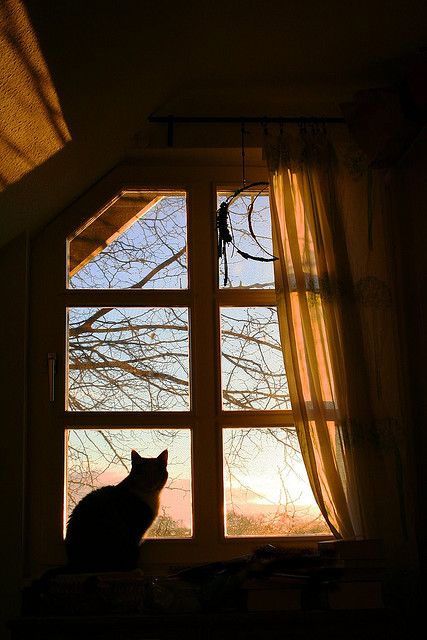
330	379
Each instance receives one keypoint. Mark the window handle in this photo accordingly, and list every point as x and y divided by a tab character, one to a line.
51	361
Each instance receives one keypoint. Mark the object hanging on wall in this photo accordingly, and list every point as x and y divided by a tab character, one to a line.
223	218
225	228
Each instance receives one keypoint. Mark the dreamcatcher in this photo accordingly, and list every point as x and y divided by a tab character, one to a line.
224	225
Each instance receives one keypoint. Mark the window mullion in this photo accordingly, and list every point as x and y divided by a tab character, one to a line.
128	419
246	298
206	449
127	298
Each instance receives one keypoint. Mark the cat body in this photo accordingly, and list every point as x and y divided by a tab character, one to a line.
106	527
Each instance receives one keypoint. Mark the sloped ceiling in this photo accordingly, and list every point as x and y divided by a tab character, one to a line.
109	64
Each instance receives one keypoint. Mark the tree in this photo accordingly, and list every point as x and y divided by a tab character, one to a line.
127	359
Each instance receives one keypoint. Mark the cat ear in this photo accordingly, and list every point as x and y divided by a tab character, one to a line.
163	457
135	457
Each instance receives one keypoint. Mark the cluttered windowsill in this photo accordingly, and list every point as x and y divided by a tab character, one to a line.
331	592
338	575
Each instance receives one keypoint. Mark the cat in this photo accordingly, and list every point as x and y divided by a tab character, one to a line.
106	527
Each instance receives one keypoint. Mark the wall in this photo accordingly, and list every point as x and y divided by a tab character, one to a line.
13	330
412	229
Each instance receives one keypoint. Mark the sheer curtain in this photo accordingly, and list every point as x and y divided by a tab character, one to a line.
330	378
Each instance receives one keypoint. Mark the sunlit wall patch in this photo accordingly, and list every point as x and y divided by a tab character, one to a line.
32	126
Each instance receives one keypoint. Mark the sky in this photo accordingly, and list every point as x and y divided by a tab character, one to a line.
263	468
260	475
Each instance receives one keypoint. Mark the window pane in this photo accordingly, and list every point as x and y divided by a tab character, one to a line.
266	489
138	241
128	359
96	458
244	273
253	372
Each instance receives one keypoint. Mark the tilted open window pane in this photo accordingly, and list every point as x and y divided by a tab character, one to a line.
253	372
99	457
266	489
128	359
249	210
138	241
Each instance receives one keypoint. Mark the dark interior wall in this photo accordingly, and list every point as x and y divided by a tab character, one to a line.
112	64
13	331
412	239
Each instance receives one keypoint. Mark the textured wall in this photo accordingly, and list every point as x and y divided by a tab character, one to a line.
13	391
31	127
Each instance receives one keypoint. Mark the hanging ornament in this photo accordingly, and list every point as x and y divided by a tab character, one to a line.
224	225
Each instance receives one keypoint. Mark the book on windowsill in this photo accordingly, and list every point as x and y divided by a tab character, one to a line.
354	573
333	590
354	594
275	592
353	560
352	551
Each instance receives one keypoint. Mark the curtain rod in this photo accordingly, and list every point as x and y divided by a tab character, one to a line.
171	120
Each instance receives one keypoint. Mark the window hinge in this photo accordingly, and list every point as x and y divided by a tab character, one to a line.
51	361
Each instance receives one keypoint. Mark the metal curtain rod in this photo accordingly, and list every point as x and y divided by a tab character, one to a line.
171	120
240	119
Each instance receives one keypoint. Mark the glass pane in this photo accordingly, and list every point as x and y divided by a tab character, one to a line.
253	372
266	489
96	458
138	241
244	273
128	359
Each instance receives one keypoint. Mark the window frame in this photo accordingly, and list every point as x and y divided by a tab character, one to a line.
206	418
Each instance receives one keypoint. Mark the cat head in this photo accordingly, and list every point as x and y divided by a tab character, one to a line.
151	472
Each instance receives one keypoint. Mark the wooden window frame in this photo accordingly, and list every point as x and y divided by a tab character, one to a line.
48	420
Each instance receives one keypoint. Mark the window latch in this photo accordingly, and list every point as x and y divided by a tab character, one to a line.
51	362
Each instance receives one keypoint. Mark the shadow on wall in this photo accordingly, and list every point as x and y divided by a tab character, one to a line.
32	128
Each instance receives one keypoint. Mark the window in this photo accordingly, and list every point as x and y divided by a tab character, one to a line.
155	350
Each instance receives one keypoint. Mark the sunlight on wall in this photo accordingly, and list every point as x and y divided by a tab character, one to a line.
32	127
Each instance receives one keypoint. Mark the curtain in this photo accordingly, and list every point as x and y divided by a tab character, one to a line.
326	339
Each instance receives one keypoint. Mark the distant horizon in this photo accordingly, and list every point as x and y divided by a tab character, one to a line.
180	509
